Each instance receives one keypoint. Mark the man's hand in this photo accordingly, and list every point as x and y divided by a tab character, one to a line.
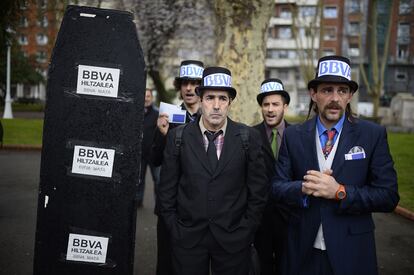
163	124
320	184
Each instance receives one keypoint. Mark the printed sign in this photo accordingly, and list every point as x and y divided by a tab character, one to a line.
271	86
85	248
334	67
97	81
93	161
192	71
175	113
217	80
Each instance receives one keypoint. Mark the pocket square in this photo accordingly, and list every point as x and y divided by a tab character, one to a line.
356	152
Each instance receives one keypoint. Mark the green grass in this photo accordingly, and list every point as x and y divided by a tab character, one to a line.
29	131
25	107
22	131
402	150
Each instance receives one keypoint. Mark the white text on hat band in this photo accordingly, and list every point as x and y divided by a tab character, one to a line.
271	86
191	71
217	80
334	67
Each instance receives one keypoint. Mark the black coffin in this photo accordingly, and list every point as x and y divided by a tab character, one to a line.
91	146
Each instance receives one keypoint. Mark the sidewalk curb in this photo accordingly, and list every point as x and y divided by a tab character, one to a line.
21	147
404	212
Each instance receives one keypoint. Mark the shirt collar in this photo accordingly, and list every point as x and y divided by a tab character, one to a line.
338	126
280	128
203	128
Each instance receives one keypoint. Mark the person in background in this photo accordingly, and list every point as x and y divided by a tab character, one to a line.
150	124
272	232
333	171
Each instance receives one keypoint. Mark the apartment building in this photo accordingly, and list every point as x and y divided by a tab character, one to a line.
36	34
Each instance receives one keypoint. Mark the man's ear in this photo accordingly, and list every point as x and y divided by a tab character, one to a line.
312	94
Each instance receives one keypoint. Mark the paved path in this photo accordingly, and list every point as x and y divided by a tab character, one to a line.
19	177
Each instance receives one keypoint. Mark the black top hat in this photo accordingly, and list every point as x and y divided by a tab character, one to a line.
190	70
216	78
335	69
272	86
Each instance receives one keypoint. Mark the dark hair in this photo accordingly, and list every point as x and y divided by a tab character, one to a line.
179	82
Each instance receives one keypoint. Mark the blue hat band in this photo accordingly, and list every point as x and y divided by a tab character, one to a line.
335	68
271	86
191	71
217	80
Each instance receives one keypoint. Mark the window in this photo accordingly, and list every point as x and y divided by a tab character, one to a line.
354	28
401	76
41	39
43	22
326	52
329	33
402	52
285	12
353	49
42	3
354	6
403	34
330	12
283	74
307	11
23	21
406	6
41	56
285	32
23	40
273	32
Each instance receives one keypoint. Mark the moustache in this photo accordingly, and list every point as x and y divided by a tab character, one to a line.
333	105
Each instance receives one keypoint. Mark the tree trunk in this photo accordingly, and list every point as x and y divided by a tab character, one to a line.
241	47
159	85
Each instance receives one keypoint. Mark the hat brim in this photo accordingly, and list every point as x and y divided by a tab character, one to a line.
187	78
231	90
333	79
283	93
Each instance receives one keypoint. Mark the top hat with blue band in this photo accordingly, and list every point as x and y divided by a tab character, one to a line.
333	69
216	78
272	86
190	70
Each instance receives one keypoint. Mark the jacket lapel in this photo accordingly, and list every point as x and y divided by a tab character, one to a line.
231	140
266	142
308	143
196	144
348	136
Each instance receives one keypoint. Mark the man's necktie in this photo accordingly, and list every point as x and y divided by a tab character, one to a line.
211	149
274	142
329	143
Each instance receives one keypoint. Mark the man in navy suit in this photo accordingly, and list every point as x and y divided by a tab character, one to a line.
213	188
271	234
334	170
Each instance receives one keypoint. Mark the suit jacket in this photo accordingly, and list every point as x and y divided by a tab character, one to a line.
348	228
270	161
228	201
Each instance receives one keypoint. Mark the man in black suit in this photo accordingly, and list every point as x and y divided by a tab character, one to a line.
274	101
185	83
213	188
150	124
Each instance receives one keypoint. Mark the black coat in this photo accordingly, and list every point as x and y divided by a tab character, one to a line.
150	125
270	164
227	201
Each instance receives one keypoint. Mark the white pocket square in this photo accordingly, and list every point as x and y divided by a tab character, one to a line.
356	152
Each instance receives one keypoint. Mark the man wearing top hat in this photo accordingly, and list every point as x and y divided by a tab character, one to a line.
333	171
189	78
271	234
213	189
